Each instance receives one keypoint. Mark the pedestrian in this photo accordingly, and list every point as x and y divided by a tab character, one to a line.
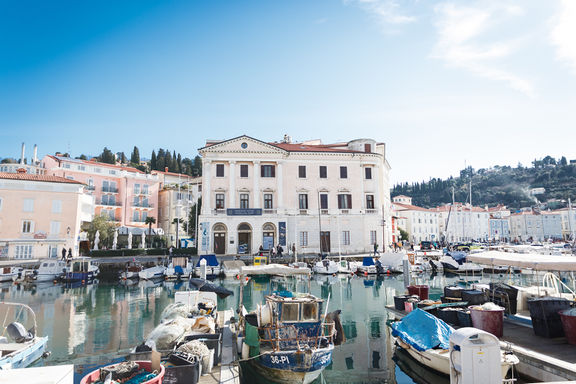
376	249
279	250
294	250
63	254
69	253
170	250
261	251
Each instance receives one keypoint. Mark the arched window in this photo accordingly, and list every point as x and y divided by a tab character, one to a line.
219	227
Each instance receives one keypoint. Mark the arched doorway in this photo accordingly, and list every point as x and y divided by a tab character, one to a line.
219	231
268	236
244	239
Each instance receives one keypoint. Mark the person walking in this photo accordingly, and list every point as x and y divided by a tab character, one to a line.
261	251
69	253
63	254
376	249
279	250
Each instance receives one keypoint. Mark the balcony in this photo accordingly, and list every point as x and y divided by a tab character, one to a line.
107	203
219	211
371	211
303	211
323	211
90	188
142	205
344	211
269	211
109	190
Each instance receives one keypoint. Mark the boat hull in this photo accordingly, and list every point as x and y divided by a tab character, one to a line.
25	356
79	276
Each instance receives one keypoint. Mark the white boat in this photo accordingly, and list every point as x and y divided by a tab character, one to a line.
180	267
232	268
81	269
274	269
49	270
10	273
213	267
131	271
155	272
367	267
392	261
347	266
19	345
452	264
325	267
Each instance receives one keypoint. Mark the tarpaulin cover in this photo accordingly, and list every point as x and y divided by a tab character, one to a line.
459	256
423	331
367	261
211	260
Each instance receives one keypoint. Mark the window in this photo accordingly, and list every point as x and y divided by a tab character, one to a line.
290	311
243	170
27	226
136	189
372	237
97	170
219	170
144	216
367	148
112	172
345	237
66	165
368	173
110	214
302	171
323	201
267	170
54	227
56	206
144	189
303	239
28	205
268	203
309	312
303	201
81	168
344	201
369	201
323	172
343	172
244	201
136	216
219	201
136	201
23	252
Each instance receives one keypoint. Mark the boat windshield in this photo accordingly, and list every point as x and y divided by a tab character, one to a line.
309	312
290	311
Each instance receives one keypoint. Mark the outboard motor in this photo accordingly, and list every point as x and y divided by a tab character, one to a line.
18	333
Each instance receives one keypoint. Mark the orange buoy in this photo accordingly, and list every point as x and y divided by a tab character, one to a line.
365	273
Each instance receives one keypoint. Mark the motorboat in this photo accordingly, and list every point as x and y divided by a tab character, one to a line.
274	270
179	267
10	273
325	267
153	273
131	271
49	271
81	269
347	266
455	262
426	338
392	261
368	267
232	268
213	267
288	340
19	344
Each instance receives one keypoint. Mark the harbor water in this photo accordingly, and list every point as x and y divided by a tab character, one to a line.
95	324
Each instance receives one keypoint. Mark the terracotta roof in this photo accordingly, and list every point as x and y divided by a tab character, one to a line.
409	207
184	176
91	162
44	178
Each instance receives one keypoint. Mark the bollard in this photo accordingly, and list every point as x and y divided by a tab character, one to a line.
406	270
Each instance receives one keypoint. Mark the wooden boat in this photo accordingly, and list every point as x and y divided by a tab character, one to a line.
152	378
21	347
287	340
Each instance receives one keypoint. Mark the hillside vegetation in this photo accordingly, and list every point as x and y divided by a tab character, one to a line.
506	185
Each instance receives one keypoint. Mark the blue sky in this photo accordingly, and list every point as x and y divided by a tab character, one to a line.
443	83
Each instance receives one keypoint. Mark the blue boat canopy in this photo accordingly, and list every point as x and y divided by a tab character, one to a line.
423	331
211	260
458	256
367	261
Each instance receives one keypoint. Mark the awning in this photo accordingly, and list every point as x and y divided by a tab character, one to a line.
535	261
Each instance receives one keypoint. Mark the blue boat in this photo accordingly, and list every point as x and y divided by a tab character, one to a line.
81	269
19	345
213	267
287	340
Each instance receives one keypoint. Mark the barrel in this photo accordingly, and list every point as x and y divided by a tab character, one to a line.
491	321
420	290
545	315
449	315
474	297
568	317
399	301
453	291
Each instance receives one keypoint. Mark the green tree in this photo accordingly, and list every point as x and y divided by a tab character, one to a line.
161	160
122	158
149	221
403	234
192	217
8	160
107	156
153	161
82	157
197	170
135	157
104	227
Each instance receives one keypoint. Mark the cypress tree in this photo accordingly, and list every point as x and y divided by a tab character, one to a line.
135	158
179	162
153	161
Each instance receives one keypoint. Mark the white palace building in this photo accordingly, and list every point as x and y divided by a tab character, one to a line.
330	198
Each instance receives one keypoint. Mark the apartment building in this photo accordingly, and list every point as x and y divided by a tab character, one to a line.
499	223
463	222
535	225
126	195
33	167
420	223
330	198
40	215
568	218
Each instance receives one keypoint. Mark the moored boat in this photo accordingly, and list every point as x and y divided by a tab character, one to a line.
131	271
81	269
325	267
213	267
455	262
10	273
179	267
152	273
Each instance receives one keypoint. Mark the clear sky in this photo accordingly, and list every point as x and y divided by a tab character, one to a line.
442	83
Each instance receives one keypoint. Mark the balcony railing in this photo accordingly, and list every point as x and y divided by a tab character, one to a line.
323	211
303	211
269	211
344	211
371	211
219	211
109	203
142	205
90	188
109	190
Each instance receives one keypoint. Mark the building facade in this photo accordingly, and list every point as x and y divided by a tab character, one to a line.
40	215
125	195
420	223
462	222
536	226
568	217
321	198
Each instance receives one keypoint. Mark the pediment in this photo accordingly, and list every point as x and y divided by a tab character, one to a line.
242	144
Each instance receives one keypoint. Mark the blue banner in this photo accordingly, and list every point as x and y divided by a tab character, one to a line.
282	233
205	233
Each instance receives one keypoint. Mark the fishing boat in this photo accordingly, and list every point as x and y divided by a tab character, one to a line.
153	273
287	340
426	338
213	268
49	271
131	271
19	345
179	267
325	267
81	269
10	273
273	270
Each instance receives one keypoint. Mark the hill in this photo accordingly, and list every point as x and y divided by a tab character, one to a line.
514	187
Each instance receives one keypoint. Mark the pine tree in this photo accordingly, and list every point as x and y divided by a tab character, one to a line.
107	156
174	164
168	161
153	161
135	158
161	160
179	163
122	158
197	170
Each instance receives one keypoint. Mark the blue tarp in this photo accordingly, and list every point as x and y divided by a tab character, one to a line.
423	331
367	261
211	260
459	256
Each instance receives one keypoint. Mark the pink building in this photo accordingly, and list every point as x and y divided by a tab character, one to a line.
40	215
126	195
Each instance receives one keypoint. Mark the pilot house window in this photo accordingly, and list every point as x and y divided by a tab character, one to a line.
289	312
309	312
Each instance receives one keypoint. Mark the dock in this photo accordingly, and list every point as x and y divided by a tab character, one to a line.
541	359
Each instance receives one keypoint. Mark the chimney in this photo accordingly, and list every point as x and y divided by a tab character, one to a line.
35	158
22	156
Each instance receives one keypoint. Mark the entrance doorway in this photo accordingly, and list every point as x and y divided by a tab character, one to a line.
244	239
220	239
268	236
325	242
